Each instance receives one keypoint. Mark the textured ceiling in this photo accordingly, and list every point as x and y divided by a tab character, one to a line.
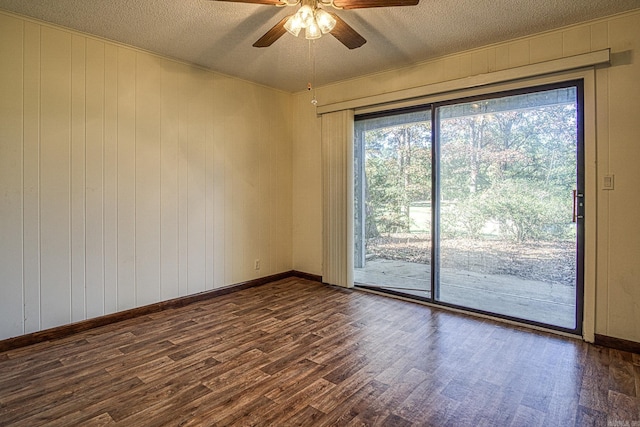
219	35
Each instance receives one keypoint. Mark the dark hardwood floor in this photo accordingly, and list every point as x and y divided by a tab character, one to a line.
295	352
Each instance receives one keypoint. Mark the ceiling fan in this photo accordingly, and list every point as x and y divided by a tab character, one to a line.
316	21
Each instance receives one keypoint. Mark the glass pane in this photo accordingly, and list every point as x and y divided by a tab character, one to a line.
393	203
507	175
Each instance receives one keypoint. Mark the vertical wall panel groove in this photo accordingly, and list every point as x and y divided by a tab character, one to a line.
78	178
22	327
147	180
55	177
135	179
95	184
126	179
110	189
85	182
40	180
219	181
228	187
104	180
182	102
70	141
11	185
31	161
209	184
196	185
170	253
160	148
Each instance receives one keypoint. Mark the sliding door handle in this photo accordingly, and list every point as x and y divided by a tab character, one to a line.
578	206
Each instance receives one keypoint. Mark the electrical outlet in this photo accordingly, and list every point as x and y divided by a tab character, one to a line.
257	264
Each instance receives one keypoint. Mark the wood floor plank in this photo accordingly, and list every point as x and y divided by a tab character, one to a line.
285	390
296	352
626	409
622	373
75	407
358	404
395	420
590	417
308	416
595	382
427	403
296	403
481	404
526	416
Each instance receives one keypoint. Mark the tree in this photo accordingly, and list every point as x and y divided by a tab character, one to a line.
516	167
397	173
510	160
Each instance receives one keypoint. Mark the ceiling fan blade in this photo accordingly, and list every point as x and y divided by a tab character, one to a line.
361	4
271	2
345	34
273	34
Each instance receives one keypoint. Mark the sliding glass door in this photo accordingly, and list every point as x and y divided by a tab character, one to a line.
393	202
509	185
485	212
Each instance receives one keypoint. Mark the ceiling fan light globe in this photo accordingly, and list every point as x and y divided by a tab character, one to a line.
293	25
312	32
306	15
325	21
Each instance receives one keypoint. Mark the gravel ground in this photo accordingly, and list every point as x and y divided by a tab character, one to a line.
551	262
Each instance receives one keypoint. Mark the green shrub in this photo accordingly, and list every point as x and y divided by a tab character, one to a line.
525	211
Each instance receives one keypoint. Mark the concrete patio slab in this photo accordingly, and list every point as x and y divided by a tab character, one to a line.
549	303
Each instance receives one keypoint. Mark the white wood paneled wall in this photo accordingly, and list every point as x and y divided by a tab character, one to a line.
127	178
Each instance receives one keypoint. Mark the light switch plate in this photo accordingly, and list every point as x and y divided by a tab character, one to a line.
607	182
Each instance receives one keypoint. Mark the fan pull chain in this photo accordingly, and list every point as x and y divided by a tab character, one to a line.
312	64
